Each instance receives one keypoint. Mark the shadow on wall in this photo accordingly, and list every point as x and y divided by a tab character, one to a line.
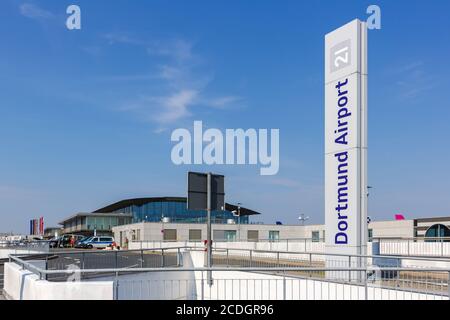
165	285
22	283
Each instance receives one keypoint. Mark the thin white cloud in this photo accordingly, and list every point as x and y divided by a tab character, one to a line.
175	106
221	102
412	80
178	74
170	72
123	38
178	49
170	109
414	92
33	11
127	78
94	51
408	67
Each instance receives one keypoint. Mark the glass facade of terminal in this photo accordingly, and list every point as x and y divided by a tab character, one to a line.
104	223
437	232
90	222
177	212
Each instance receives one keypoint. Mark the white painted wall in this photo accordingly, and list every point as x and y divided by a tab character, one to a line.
152	230
408	247
395	228
24	285
387	248
21	284
234	285
157	285
292	245
4	253
380	229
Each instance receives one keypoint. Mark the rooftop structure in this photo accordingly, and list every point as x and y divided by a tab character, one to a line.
174	208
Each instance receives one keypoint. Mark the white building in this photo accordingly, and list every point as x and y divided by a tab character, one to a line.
168	231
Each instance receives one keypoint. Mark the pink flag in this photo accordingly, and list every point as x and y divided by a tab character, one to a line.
399	217
41	225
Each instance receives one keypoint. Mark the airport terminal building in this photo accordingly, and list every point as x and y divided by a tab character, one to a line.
424	229
150	210
174	209
168	219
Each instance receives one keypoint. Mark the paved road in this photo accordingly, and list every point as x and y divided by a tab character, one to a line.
102	260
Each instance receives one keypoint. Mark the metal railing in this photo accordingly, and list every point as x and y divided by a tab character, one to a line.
415	239
169	256
429	246
41	245
267	282
318	240
300	244
252	257
353	270
288	240
256	284
98	260
392	277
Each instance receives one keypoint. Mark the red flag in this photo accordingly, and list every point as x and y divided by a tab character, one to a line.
41	225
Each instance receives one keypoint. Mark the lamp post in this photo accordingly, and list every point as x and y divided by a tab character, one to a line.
303	218
368	216
238	213
162	226
239	219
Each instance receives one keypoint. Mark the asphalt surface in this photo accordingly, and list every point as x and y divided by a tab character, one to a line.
107	260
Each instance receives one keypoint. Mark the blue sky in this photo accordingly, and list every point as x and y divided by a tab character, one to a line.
86	116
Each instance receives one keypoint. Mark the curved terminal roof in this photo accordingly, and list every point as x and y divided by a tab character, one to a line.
141	201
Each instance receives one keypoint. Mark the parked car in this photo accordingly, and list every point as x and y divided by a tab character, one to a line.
99	242
64	241
54	242
81	243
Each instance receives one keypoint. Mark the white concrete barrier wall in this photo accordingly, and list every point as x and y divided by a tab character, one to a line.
408	247
155	286
253	286
23	285
4	253
233	285
180	285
